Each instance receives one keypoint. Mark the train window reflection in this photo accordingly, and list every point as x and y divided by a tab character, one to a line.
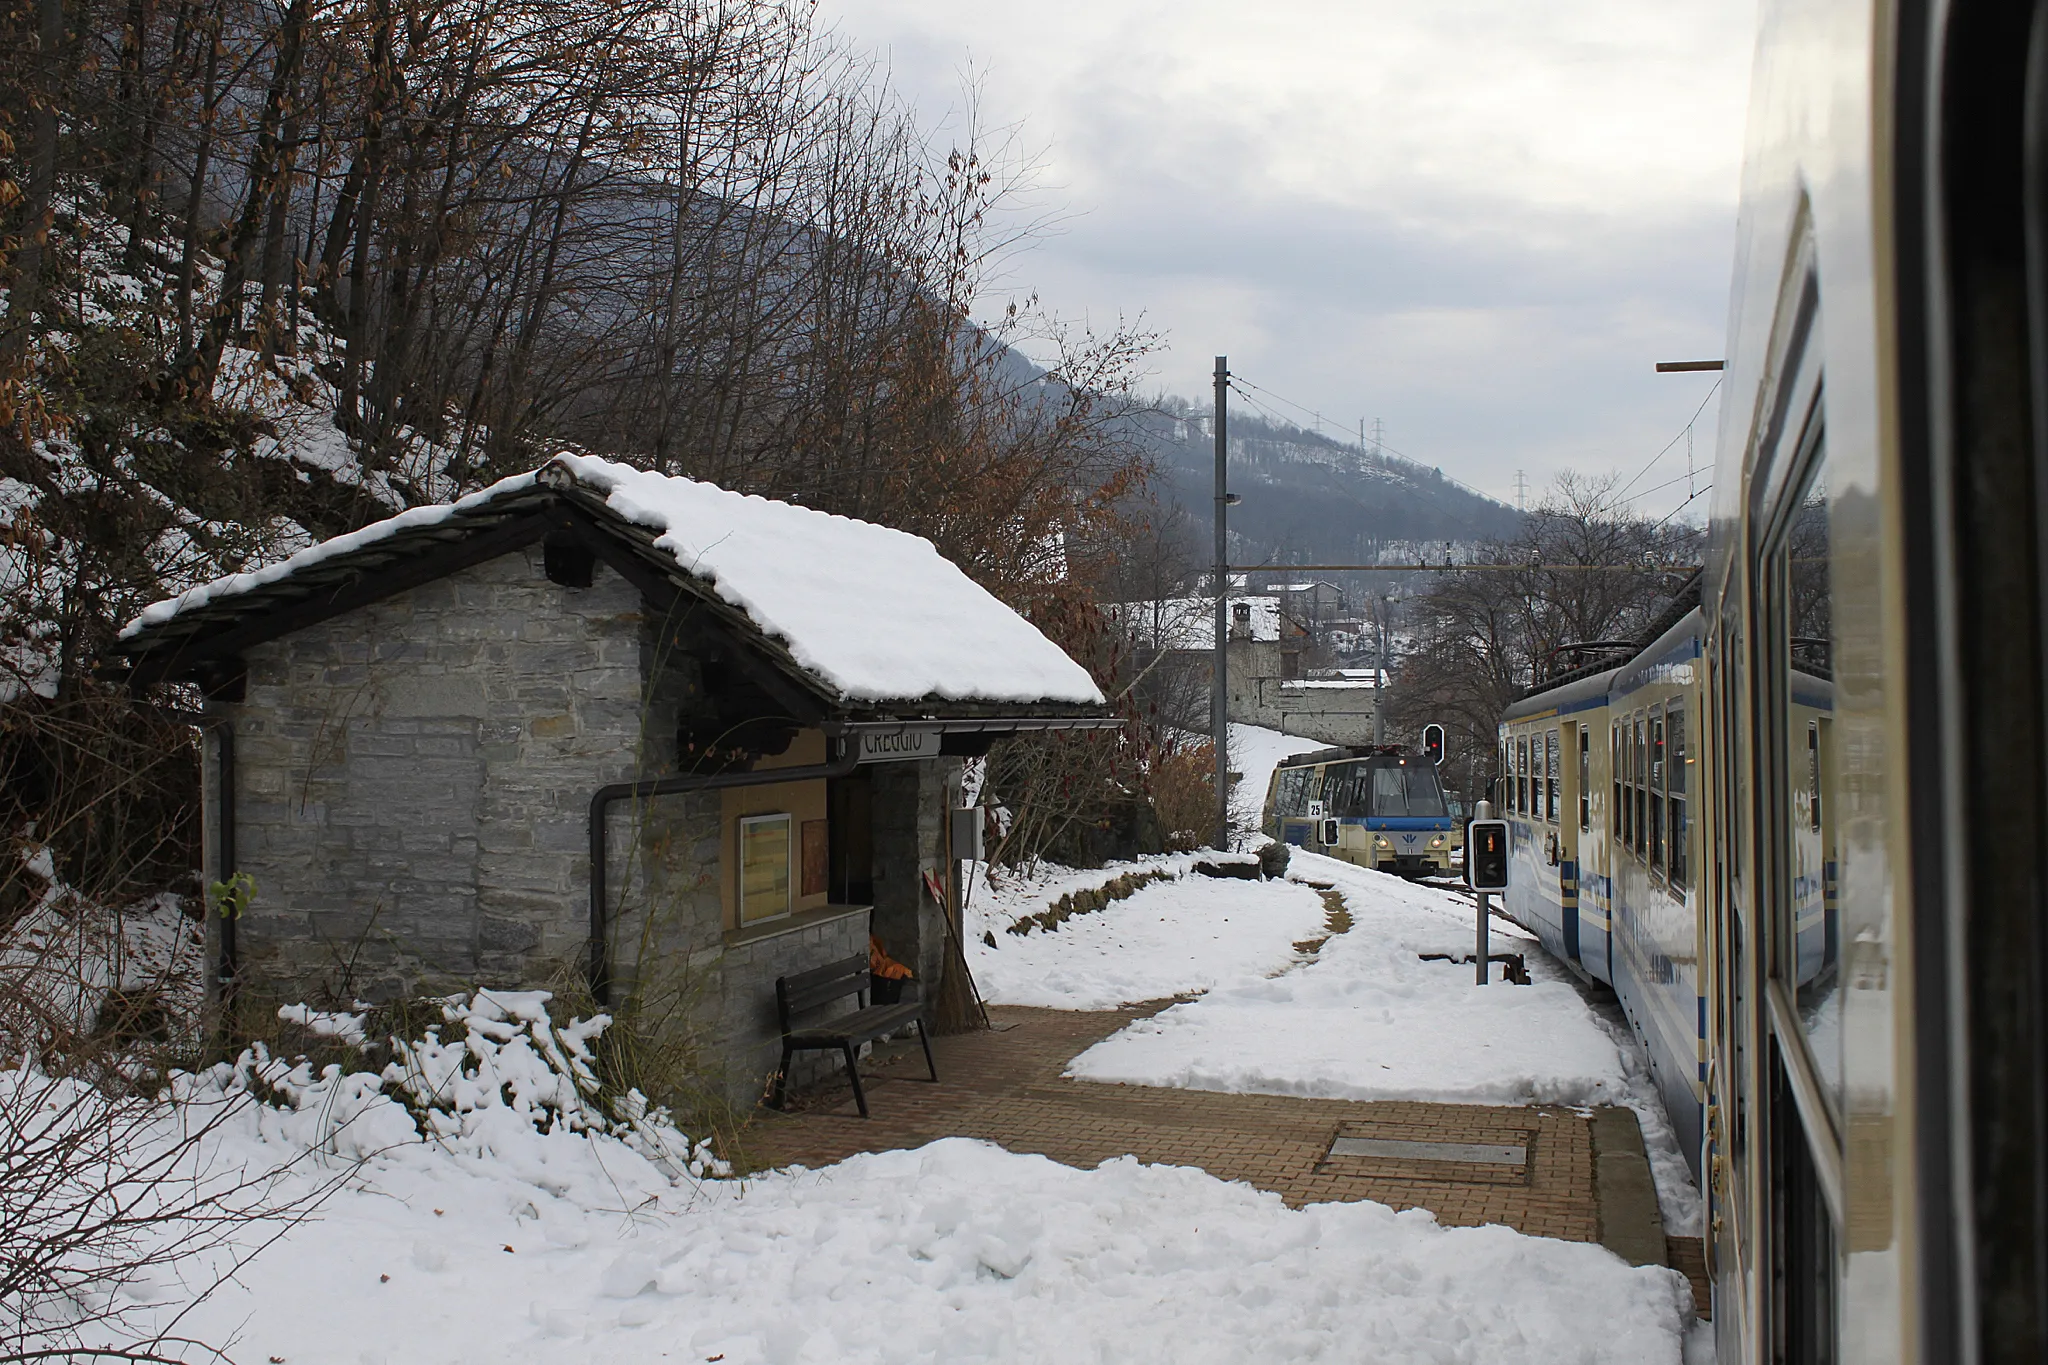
1550	777
1656	787
1810	936
1585	778
1675	758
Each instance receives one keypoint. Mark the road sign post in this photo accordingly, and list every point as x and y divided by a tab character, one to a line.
1486	872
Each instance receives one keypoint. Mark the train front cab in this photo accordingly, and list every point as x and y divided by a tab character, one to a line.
1879	1133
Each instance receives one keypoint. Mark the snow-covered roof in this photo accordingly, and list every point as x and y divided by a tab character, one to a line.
874	614
1190	622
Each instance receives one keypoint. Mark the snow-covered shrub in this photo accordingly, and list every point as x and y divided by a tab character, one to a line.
494	1064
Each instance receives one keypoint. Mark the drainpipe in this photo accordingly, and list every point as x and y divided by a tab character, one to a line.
600	804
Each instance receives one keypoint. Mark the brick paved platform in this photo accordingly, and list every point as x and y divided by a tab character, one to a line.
1005	1086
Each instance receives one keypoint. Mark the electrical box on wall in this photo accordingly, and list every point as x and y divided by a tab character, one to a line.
967	833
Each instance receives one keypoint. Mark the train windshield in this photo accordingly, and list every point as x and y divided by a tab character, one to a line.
1385	790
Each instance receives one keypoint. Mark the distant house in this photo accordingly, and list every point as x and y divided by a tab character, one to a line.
595	727
1269	680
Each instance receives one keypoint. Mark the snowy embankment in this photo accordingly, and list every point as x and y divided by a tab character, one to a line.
958	1251
1254	752
1370	1020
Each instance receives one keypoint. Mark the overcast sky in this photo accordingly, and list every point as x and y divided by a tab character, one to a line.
1480	221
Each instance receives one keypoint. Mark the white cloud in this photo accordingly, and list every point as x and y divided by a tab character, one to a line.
1481	220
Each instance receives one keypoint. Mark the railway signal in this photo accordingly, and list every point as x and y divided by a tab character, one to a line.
1486	872
1433	743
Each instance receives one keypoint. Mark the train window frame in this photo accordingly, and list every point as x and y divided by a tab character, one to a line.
1615	817
1521	774
1678	869
1552	776
1789	454
1654	787
1585	779
1640	787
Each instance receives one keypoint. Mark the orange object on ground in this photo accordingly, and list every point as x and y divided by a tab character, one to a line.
882	965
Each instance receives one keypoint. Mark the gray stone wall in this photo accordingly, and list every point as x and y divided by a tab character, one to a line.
412	789
412	782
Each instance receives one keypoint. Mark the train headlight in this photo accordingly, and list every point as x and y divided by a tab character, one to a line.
1437	842
1382	841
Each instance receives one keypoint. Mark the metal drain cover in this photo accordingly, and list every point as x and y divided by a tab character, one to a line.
1469	1153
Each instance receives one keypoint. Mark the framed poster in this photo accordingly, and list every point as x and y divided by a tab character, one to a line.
764	867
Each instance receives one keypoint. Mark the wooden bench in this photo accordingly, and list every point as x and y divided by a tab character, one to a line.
807	991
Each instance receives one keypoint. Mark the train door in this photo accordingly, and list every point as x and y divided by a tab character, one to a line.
1731	1196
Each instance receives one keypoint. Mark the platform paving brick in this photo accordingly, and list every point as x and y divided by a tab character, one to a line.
1005	1085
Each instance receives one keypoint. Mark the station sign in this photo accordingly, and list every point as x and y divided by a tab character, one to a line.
898	746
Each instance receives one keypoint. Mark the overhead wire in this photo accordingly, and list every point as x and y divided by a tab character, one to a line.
1683	432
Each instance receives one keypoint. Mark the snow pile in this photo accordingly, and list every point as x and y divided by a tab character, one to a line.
1169	938
505	1071
958	1251
1255	752
1369	1020
879	614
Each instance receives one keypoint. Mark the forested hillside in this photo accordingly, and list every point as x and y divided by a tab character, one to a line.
1311	499
276	270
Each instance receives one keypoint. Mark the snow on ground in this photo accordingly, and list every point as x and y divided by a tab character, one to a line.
1195	933
1254	752
1369	1020
958	1251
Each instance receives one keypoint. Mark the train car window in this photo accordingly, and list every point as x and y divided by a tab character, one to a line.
1807	933
1617	814
1406	789
1585	779
1639	766
1522	776
1675	760
1551	777
1656	789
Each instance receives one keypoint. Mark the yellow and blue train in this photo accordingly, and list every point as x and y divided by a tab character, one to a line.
1381	807
1602	775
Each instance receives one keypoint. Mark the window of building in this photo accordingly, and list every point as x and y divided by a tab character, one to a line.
764	867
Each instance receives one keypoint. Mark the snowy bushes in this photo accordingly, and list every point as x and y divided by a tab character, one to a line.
495	1063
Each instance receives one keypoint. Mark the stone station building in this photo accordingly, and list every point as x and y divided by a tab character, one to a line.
600	729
